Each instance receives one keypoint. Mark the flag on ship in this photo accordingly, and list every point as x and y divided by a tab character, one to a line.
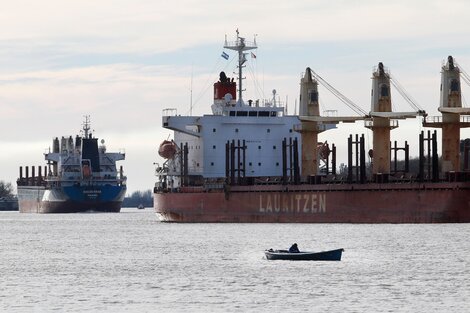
224	55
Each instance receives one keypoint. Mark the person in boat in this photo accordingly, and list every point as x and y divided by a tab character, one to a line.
294	249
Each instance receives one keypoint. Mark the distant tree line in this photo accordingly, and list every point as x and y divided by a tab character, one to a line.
6	190
137	198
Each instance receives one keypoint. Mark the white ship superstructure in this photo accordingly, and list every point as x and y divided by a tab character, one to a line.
247	134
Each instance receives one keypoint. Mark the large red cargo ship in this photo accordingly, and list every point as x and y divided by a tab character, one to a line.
250	162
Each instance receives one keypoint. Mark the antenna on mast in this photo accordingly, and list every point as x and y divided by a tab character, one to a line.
86	126
240	45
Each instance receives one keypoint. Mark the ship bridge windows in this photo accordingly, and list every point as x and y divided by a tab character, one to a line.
253	113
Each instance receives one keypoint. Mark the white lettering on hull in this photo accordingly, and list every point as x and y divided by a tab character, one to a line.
289	203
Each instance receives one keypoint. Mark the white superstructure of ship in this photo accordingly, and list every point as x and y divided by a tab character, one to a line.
198	151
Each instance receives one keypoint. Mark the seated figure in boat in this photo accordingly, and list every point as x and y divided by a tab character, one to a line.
294	249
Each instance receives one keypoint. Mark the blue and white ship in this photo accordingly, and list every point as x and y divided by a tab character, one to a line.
80	176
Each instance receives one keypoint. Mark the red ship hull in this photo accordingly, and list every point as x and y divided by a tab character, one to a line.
348	203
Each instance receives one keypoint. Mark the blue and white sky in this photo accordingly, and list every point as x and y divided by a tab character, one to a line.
122	62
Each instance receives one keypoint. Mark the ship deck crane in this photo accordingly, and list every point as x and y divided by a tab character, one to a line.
451	119
378	119
459	110
363	115
312	123
335	119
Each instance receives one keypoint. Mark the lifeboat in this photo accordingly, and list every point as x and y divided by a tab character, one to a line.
167	149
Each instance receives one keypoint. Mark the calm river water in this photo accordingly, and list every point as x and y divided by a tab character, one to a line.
130	262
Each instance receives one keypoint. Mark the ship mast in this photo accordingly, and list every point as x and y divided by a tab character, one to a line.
240	45
86	126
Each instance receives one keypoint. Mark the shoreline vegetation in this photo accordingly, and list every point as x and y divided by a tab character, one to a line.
6	190
138	199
